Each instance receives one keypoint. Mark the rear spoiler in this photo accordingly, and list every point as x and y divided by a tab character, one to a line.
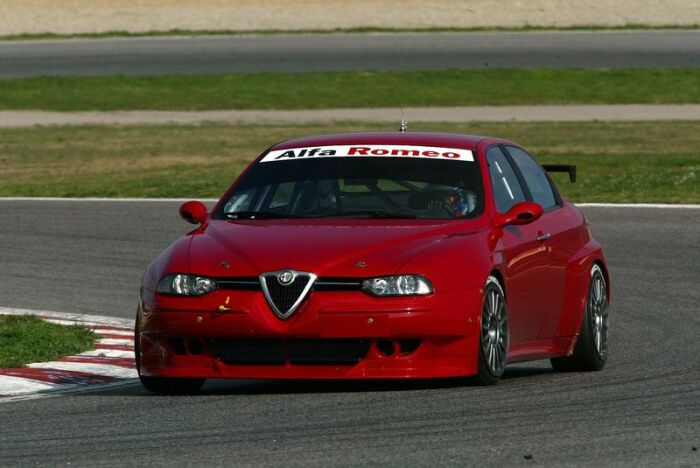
571	169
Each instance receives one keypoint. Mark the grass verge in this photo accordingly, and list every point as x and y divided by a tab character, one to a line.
617	161
369	30
354	89
25	339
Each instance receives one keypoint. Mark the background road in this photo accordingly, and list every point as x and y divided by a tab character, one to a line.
324	52
641	410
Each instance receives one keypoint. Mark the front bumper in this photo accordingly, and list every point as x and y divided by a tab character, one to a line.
412	337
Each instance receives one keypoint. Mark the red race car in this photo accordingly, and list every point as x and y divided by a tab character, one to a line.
377	255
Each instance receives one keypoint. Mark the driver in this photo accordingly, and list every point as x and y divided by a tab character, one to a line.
455	202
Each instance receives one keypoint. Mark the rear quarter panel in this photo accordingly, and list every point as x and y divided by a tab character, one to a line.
578	272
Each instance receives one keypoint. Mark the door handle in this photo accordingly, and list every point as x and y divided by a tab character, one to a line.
543	237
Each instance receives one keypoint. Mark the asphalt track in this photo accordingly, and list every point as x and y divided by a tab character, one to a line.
324	52
641	410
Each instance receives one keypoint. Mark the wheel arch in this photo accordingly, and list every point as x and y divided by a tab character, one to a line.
578	274
485	374
606	274
501	280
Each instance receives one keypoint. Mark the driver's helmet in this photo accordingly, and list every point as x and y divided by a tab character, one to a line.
461	201
456	198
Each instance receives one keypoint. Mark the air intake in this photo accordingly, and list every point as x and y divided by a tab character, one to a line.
285	290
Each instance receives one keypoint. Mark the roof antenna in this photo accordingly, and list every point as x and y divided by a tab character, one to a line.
403	126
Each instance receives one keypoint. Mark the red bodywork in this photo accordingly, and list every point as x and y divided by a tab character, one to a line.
545	284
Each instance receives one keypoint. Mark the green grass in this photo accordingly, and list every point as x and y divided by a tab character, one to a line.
353	89
617	162
369	29
26	339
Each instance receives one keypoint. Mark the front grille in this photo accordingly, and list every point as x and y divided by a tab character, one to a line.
252	283
337	284
241	283
297	351
284	297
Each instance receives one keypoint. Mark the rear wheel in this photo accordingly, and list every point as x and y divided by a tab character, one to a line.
163	385
493	339
591	351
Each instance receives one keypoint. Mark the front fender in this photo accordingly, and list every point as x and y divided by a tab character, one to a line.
462	261
175	259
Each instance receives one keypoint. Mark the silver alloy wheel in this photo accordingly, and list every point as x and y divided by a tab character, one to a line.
598	311
494	331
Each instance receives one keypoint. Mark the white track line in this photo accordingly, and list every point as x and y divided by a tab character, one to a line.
108	200
637	205
214	200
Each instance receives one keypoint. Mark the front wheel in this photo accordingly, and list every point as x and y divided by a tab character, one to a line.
591	351
493	339
163	385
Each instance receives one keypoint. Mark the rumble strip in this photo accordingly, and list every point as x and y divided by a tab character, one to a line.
111	363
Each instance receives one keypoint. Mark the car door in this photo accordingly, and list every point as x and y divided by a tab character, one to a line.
558	231
525	258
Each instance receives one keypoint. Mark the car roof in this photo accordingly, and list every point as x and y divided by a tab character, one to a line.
444	140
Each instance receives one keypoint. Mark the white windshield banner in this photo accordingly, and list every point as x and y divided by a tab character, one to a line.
370	151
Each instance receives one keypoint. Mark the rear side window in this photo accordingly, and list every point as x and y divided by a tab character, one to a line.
506	188
535	178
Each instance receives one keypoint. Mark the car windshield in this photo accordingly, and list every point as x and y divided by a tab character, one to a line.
346	187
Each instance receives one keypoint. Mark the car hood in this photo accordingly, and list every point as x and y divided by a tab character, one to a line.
326	247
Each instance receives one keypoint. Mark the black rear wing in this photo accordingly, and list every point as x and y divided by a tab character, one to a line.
571	169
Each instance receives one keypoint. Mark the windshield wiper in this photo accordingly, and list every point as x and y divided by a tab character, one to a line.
367	213
257	215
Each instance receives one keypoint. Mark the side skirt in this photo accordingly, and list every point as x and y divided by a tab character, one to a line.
541	349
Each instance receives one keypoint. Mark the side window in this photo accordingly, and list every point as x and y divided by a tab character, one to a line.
506	188
535	178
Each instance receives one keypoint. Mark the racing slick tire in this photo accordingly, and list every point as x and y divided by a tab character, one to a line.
493	336
164	385
591	350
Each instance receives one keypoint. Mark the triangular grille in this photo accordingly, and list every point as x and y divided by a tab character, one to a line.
285	290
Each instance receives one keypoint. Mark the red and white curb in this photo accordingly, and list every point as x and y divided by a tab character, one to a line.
111	363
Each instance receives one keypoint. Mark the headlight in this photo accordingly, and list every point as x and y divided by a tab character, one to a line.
185	285
399	285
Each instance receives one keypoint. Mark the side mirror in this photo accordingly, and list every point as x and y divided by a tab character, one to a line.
193	212
520	213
